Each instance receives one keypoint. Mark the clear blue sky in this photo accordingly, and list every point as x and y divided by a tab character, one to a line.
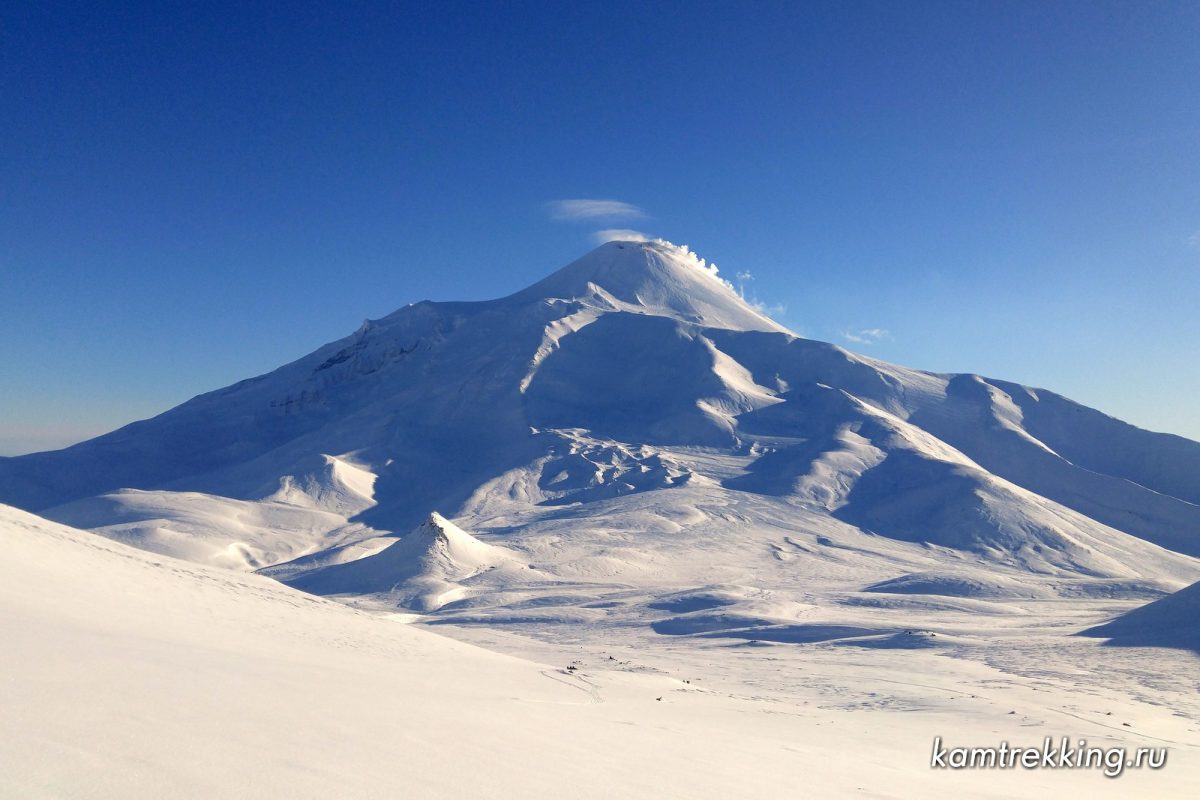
193	195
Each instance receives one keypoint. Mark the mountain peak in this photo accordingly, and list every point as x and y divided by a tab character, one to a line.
423	570
437	528
654	277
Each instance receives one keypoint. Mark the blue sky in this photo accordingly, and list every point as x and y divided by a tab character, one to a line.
190	196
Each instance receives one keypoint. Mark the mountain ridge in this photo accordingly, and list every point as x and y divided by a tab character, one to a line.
637	369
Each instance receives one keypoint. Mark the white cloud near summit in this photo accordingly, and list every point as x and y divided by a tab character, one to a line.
619	235
583	208
866	335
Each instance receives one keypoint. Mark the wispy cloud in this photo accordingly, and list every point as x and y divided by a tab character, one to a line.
773	310
1194	241
593	209
743	277
619	235
866	335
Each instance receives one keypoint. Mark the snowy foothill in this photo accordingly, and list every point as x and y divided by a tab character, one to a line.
1172	621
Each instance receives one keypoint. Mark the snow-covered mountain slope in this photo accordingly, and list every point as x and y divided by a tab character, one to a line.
655	278
132	675
1171	621
210	529
306	513
633	370
193	682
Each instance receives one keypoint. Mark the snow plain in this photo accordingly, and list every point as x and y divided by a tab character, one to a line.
128	674
817	561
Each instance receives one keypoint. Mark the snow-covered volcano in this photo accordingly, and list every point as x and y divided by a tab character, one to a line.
629	396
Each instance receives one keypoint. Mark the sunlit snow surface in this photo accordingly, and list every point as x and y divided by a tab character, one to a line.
642	478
